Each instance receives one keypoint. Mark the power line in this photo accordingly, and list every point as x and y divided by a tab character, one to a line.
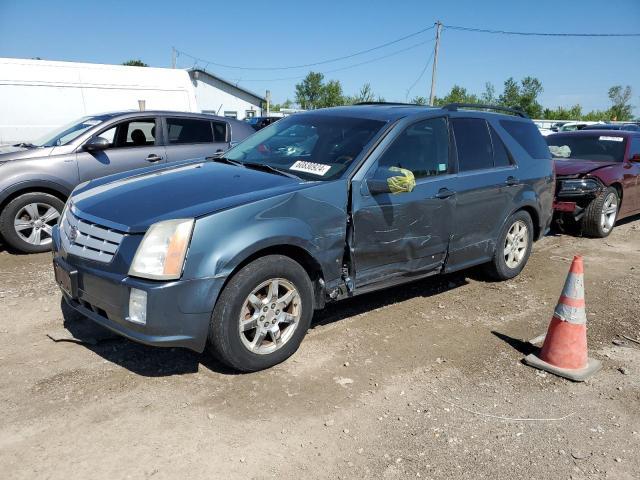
426	65
540	34
397	52
306	65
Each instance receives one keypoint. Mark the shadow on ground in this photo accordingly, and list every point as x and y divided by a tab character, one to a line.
520	345
157	362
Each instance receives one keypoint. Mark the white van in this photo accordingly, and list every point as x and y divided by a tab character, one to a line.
38	95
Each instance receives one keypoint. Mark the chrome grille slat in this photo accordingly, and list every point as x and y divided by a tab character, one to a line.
92	241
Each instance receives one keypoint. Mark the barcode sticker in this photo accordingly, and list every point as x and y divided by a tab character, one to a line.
611	139
310	167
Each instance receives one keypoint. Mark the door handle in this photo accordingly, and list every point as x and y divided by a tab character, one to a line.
445	193
511	180
153	158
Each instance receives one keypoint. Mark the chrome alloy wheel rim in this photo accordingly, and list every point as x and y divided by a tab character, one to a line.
270	316
515	245
609	212
34	222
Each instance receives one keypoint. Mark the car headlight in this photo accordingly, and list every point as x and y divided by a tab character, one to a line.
577	186
163	249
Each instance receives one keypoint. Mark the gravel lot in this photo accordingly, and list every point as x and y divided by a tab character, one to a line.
402	384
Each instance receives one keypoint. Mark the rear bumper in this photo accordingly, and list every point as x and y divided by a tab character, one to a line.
178	312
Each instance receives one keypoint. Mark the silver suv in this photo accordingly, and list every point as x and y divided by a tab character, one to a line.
36	178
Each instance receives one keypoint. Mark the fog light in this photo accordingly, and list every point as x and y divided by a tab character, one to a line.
138	306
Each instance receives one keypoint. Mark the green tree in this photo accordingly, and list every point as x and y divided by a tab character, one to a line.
331	95
136	62
562	113
309	91
365	94
457	94
510	96
420	100
530	89
488	97
620	97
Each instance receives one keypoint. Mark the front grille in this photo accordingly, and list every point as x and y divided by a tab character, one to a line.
87	239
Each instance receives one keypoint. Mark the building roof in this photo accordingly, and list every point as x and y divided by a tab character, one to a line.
228	82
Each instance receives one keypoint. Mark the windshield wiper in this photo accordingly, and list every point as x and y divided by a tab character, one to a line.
25	145
268	168
225	160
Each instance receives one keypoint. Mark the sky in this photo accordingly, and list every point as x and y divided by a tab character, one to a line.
276	33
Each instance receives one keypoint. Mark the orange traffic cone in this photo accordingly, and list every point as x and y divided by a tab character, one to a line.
564	352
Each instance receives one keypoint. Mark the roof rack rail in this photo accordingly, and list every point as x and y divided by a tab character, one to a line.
455	106
388	103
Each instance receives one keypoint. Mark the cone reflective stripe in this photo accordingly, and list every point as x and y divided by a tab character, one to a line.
564	351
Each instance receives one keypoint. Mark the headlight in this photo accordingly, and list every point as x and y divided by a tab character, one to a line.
579	186
161	254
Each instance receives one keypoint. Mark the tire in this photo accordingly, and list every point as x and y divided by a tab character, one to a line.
596	222
505	265
247	351
26	221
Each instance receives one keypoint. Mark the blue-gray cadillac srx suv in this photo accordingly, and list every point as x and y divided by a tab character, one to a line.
236	252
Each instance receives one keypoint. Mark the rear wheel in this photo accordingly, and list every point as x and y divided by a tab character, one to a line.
513	247
27	221
262	314
600	215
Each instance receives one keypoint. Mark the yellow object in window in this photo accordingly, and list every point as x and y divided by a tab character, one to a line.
402	183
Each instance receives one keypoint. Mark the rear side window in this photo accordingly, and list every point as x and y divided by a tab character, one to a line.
501	157
528	136
219	131
188	130
473	143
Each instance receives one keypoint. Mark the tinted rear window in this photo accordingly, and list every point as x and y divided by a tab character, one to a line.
473	143
528	136
186	130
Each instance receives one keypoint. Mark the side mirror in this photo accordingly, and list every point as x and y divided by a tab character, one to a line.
96	144
386	182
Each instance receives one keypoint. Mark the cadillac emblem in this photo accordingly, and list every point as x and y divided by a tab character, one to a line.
73	234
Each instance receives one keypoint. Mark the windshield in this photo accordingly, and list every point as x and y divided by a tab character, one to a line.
313	147
70	132
599	148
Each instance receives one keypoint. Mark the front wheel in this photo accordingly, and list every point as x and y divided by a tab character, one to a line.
513	247
600	215
262	314
27	221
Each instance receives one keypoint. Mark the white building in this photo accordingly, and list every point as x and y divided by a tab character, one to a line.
221	97
37	96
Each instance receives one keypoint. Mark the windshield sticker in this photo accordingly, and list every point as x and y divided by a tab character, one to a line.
442	167
611	139
310	167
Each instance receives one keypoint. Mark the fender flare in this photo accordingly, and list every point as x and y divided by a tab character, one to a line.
34	185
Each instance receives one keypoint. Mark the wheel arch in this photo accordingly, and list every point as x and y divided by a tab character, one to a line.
535	219
296	253
21	188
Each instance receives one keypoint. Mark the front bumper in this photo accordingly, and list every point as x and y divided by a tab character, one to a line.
178	312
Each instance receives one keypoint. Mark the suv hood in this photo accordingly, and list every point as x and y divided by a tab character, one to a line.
572	166
12	152
191	190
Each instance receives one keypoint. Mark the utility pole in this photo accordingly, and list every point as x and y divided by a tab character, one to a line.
268	99
435	63
173	57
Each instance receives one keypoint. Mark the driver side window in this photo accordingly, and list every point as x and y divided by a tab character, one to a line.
423	148
132	133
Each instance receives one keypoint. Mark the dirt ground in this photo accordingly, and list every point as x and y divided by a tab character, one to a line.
424	380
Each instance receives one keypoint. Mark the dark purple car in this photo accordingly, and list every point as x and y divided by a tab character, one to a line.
598	178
